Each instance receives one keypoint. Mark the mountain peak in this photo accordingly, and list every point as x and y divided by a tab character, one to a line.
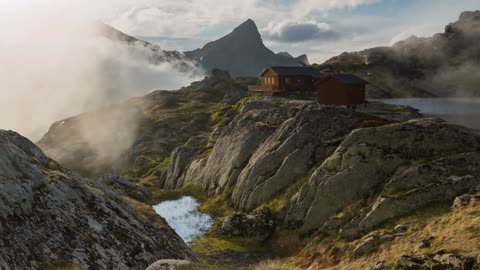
248	30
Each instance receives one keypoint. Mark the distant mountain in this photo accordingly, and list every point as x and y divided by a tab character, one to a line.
242	53
152	52
446	64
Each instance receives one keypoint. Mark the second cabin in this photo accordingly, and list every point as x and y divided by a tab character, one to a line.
287	80
341	89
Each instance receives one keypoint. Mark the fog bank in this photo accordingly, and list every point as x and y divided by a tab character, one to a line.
55	64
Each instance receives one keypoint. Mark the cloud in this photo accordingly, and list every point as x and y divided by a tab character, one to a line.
288	31
423	30
181	18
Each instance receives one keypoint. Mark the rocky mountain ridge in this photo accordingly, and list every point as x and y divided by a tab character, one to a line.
442	65
241	53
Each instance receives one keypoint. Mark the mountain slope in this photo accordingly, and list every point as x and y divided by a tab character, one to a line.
446	64
241	52
151	52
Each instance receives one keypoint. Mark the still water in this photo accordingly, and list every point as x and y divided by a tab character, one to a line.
183	216
461	111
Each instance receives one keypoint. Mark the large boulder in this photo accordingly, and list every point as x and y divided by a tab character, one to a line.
52	217
367	159
434	182
168	264
258	224
438	261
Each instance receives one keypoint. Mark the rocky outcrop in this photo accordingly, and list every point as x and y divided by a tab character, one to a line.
167	264
240	140
372	243
52	217
421	186
290	152
466	200
438	261
258	224
124	187
366	161
269	147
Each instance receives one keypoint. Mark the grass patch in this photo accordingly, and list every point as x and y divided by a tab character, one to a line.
147	168
148	212
205	266
218	206
217	114
187	190
211	246
368	120
60	266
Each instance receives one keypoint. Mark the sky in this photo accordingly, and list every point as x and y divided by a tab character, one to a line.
320	28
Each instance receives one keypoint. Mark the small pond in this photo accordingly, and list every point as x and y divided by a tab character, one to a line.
184	217
461	111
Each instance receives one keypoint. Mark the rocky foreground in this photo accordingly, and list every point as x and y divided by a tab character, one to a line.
52	218
270	168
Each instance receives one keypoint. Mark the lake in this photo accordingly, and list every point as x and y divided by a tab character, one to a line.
461	111
184	217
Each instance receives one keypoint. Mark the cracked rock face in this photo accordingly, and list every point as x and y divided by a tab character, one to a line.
52	217
366	161
421	186
289	153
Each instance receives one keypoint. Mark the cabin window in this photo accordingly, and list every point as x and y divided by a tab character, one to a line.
287	80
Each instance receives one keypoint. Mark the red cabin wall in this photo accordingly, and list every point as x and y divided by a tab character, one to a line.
337	92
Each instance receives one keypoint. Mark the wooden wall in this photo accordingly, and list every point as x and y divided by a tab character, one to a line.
336	92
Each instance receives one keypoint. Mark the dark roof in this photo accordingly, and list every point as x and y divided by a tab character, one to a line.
350	78
295	71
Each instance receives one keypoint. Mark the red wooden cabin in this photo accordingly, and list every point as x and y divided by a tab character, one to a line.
341	89
286	80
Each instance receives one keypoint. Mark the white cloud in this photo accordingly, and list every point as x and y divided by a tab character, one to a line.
423	30
181	18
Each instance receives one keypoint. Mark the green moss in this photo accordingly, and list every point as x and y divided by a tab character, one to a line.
368	120
147	168
187	190
205	266
59	266
400	110
217	114
218	206
211	246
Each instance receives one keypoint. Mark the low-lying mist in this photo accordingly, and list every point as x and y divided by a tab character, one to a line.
56	65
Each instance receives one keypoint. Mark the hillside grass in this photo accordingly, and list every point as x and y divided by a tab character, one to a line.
456	231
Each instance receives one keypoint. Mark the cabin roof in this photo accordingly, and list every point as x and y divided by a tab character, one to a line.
294	71
350	79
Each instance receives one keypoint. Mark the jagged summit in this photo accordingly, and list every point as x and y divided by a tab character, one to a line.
248	27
